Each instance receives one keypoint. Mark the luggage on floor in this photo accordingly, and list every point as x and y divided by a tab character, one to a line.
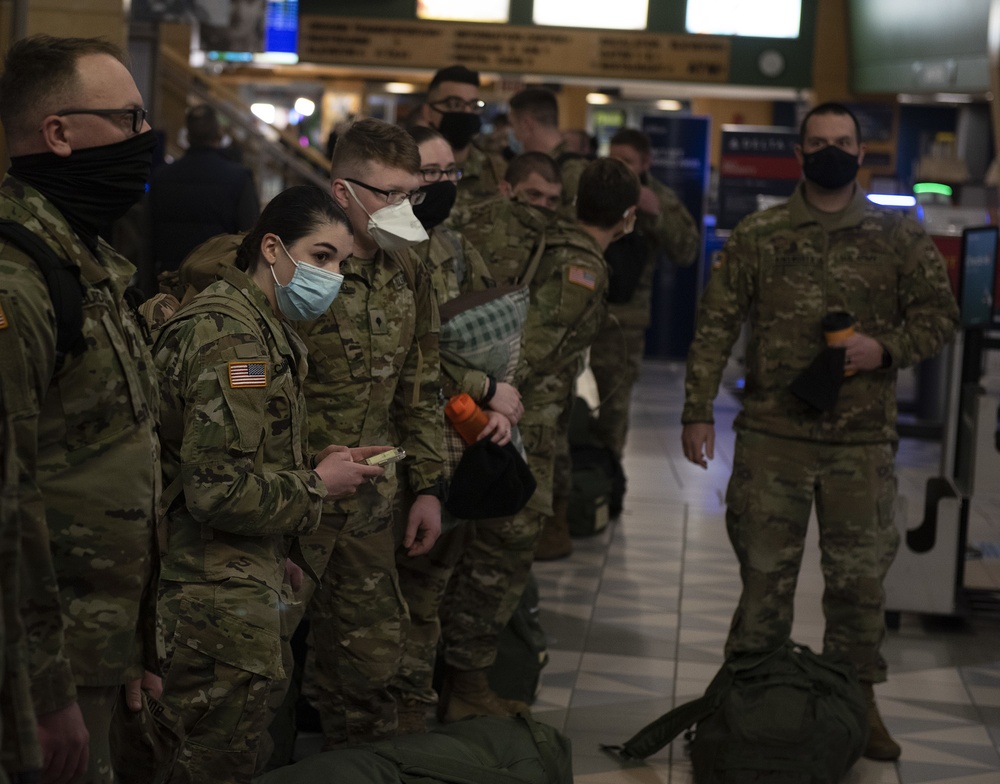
784	717
597	488
486	750
522	651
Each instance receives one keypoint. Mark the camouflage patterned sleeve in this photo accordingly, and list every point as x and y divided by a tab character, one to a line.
420	418
723	309
571	171
930	313
27	356
224	420
675	230
562	293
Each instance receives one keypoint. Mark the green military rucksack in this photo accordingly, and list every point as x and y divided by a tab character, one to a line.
597	481
783	717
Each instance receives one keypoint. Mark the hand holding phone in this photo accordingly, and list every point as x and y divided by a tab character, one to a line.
383	459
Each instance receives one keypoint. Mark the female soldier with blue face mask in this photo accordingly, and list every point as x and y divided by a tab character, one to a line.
239	484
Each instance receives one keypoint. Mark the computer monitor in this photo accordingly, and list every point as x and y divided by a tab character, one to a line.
977	273
254	31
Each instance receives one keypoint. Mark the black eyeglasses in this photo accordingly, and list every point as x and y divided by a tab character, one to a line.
138	116
392	197
455	104
436	175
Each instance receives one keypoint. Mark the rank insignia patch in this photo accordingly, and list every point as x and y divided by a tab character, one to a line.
247	374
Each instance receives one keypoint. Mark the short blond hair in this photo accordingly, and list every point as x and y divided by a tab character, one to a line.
368	141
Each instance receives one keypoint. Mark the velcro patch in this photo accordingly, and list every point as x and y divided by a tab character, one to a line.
247	374
582	277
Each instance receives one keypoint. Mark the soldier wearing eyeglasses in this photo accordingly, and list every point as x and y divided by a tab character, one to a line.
80	403
373	378
454	109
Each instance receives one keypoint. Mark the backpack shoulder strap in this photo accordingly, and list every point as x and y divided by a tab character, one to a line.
65	288
446	769
658	733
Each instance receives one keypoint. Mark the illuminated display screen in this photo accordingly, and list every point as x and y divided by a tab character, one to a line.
464	11
760	18
265	31
617	15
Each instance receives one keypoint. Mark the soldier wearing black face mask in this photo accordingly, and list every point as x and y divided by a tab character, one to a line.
453	108
783	271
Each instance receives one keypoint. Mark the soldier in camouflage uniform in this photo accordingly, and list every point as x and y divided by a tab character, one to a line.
455	267
664	225
534	119
374	378
239	479
508	228
784	269
453	108
568	307
82	415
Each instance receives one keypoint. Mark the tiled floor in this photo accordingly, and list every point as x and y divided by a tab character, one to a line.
637	617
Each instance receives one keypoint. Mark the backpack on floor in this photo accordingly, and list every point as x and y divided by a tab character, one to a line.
483	750
784	717
597	481
522	651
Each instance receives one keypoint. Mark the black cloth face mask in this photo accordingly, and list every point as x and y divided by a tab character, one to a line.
459	128
94	186
436	206
830	168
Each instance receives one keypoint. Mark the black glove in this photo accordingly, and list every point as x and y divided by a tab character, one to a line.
819	384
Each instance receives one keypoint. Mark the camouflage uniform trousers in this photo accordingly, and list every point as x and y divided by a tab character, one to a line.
489	580
222	705
486	587
356	617
615	360
769	499
423	580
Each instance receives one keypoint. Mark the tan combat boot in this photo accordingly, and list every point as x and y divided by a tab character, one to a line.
466	693
880	746
555	542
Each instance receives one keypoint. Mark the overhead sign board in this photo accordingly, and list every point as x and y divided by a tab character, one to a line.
510	48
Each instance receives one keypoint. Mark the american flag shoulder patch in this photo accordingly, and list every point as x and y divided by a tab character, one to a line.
582	277
3	318
247	374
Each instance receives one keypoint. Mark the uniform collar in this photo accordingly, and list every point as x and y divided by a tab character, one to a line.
800	213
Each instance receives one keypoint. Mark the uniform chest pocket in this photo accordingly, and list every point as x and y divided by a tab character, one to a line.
99	390
283	424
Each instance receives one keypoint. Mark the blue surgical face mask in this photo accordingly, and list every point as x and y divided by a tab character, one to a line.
310	291
513	143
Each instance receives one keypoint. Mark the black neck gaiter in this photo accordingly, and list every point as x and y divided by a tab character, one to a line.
92	187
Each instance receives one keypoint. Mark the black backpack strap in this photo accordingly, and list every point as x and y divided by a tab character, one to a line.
65	289
658	733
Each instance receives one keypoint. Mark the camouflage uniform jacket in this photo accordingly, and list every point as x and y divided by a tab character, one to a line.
481	176
455	267
505	232
234	439
565	314
89	462
374	370
673	231
571	166
781	269
21	751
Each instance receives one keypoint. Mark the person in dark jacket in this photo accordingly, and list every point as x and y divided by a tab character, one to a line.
199	196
